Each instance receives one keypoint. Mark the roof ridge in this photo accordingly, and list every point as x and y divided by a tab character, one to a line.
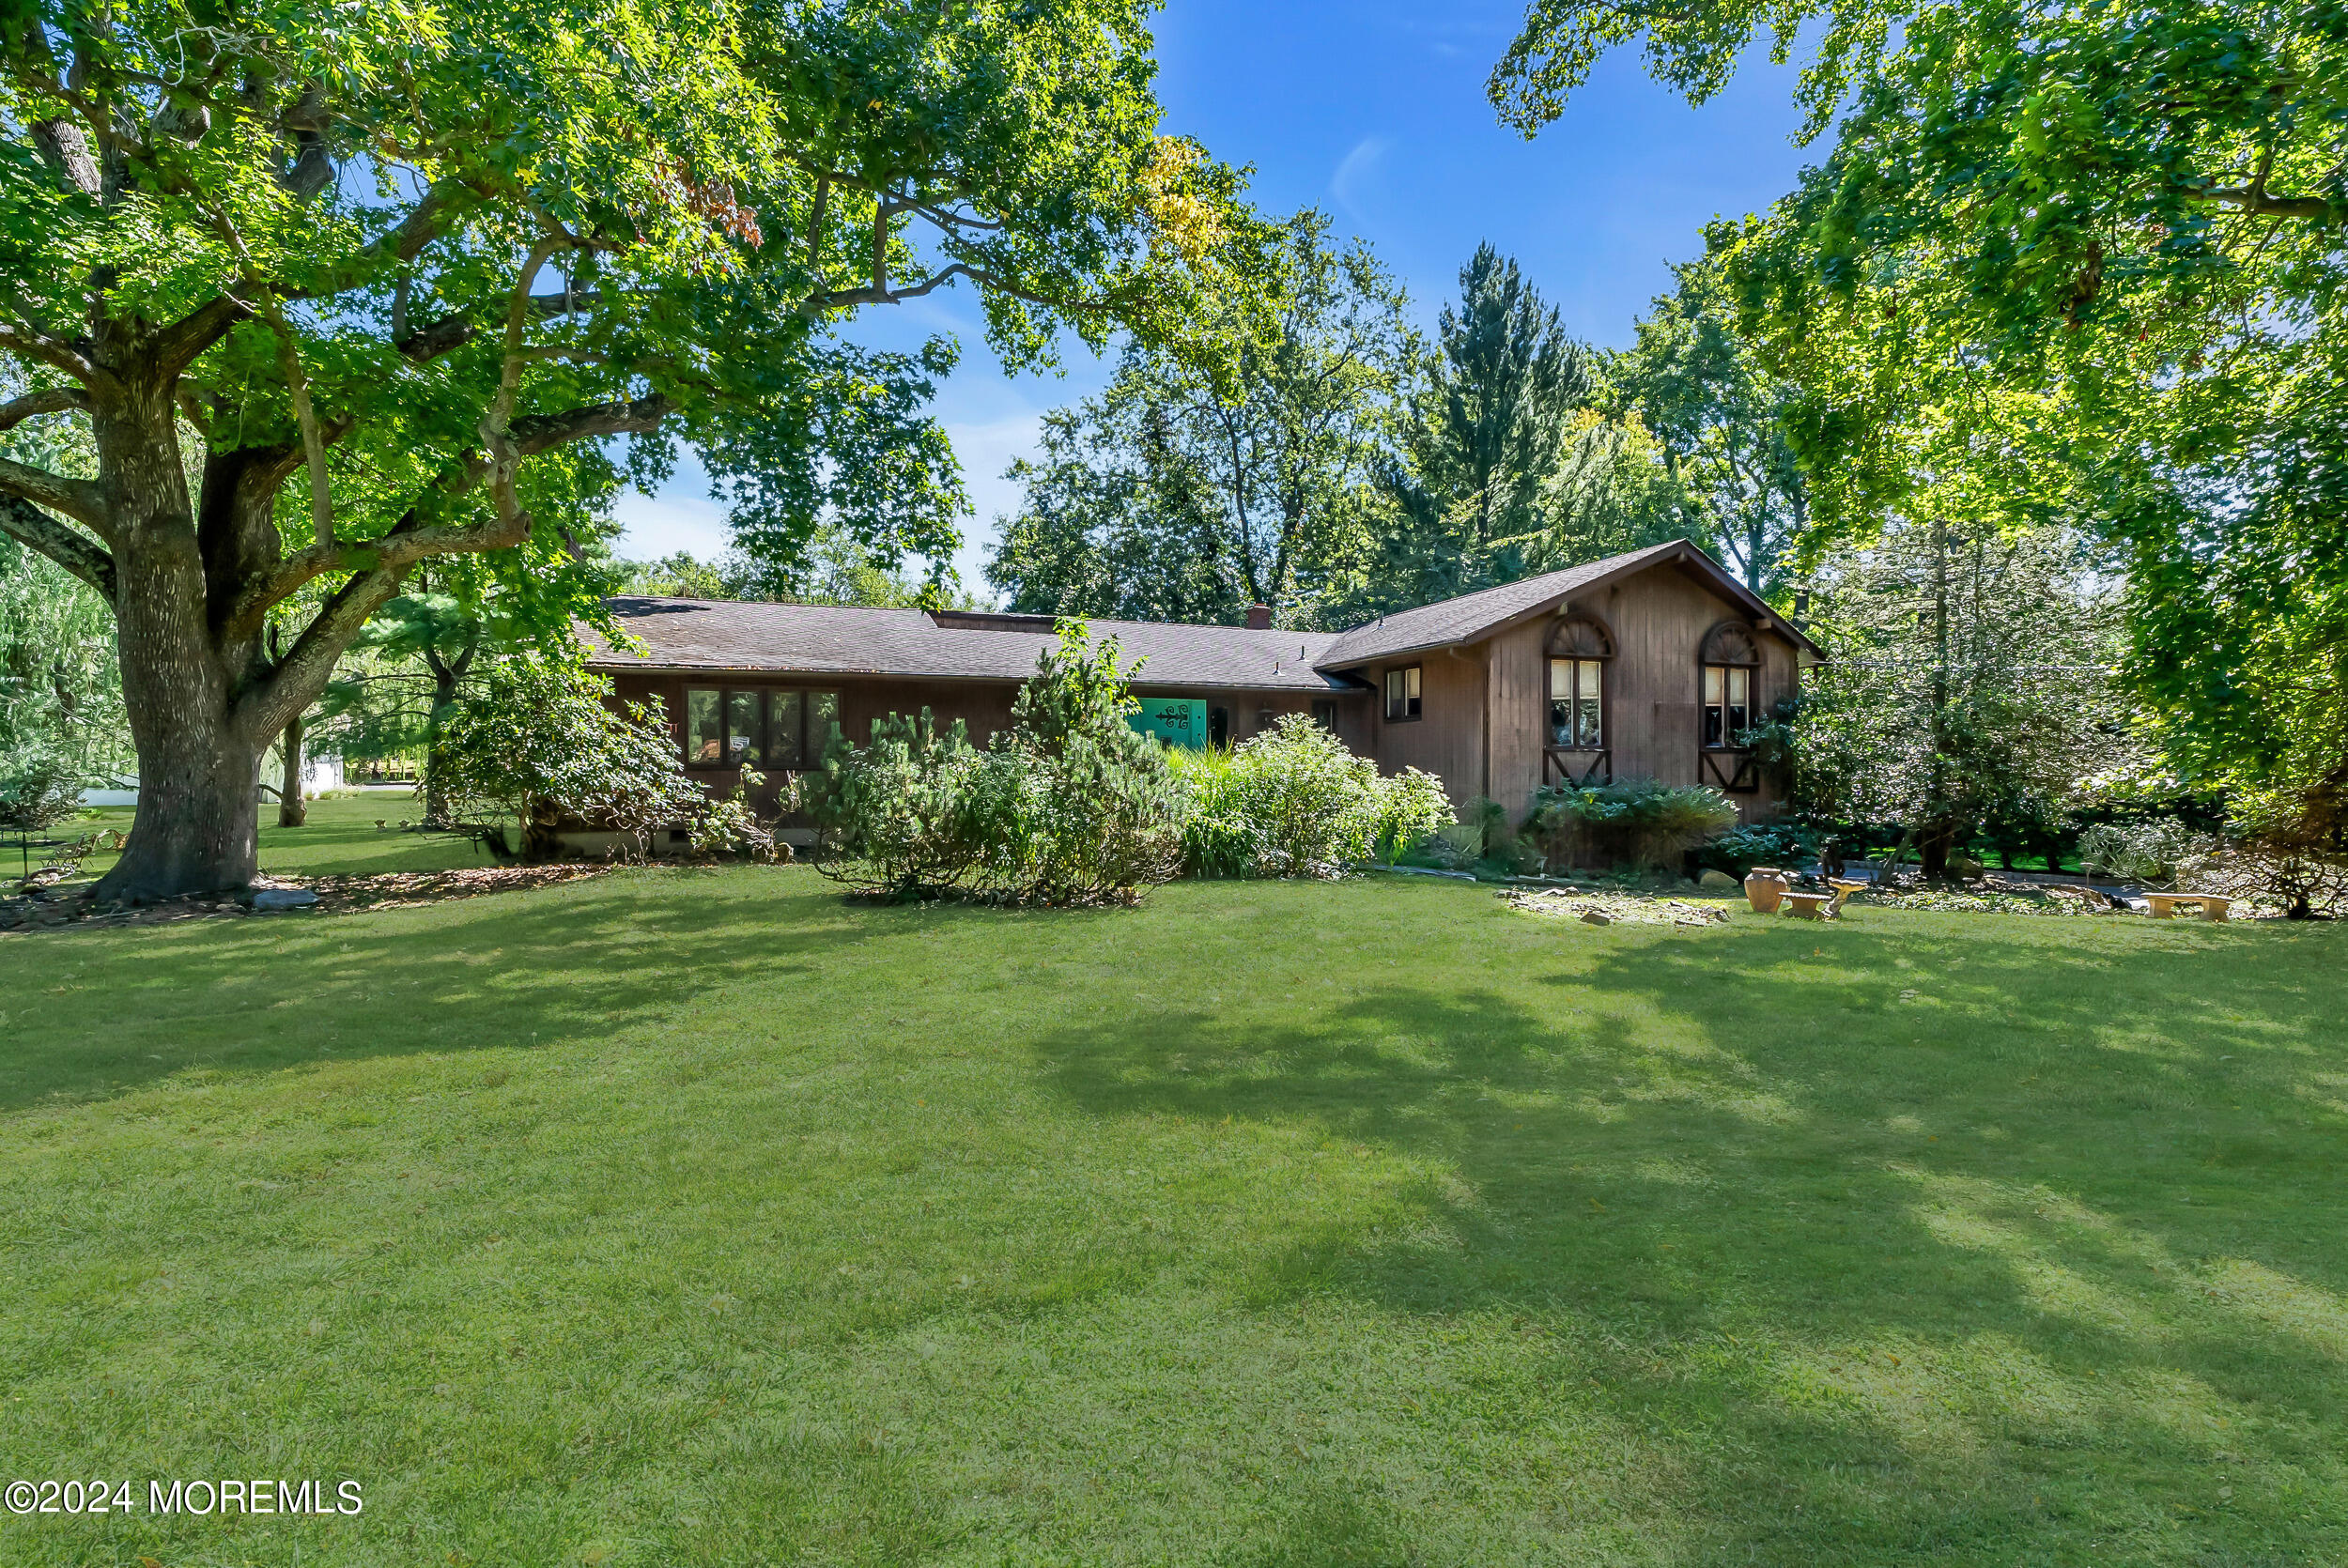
1457	614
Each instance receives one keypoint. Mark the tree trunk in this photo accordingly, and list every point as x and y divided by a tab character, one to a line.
1932	851
292	810
199	775
199	797
435	792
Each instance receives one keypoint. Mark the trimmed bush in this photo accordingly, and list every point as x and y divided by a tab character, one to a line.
1294	802
1071	806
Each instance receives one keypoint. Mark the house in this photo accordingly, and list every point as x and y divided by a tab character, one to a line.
1643	665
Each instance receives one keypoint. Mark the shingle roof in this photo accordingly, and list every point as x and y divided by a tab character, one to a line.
826	639
1472	615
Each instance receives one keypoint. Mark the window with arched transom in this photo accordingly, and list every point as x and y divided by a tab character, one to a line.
1578	649
1731	666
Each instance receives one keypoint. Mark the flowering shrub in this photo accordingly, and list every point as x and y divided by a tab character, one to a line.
2140	852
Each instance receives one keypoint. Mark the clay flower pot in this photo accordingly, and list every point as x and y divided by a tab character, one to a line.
1764	889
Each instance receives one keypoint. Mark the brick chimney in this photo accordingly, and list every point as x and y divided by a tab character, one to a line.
1259	618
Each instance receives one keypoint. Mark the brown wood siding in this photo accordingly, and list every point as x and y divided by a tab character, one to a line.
1492	741
1654	714
1519	712
1447	739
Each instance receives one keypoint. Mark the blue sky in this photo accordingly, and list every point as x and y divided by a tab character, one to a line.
1374	111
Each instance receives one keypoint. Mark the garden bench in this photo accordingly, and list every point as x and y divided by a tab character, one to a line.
2213	906
1813	906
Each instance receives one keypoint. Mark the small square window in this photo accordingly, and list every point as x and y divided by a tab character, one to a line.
1402	695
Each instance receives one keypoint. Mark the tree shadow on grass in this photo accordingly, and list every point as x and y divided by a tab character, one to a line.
94	1014
1908	1244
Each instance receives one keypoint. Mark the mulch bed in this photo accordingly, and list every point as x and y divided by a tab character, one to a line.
1615	909
42	910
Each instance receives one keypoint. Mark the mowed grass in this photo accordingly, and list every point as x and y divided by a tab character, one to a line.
339	839
692	1217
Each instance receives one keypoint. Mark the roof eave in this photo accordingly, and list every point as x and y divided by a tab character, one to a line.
1685	554
642	667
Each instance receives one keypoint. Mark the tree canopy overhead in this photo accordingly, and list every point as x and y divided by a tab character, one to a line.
1189	493
2069	259
1504	465
340	290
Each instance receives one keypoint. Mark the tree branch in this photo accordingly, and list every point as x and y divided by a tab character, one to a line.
816	305
405	241
271	702
538	433
408	543
78	499
2255	203
55	352
497	434
54	400
313	444
84	558
434	338
178	345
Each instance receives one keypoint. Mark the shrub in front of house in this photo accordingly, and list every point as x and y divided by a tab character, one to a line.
920	813
1741	849
1634	822
1070	805
541	746
1293	801
1483	841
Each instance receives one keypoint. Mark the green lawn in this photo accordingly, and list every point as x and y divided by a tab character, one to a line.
692	1217
340	840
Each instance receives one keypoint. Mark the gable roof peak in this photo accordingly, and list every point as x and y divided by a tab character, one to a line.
1472	617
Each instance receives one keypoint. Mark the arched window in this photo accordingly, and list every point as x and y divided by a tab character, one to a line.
1731	659
1579	648
1731	643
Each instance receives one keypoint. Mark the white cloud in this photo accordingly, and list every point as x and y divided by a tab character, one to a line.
1351	185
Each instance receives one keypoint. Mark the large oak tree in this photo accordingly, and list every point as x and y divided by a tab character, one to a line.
340	289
